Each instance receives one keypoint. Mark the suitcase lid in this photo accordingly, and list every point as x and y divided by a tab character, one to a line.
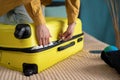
55	25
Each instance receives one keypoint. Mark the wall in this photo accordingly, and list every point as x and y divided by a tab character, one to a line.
96	19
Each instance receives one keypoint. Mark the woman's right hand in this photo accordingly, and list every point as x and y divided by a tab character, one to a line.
43	35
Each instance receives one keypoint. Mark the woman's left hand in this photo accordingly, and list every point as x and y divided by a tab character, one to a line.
68	33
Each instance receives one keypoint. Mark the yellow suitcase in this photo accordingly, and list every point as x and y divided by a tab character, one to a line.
21	52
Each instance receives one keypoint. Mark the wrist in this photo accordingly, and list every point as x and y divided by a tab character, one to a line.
73	23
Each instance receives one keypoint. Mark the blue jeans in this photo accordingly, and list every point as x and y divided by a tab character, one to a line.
18	15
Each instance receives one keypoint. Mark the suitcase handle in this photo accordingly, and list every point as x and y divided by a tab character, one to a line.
66	46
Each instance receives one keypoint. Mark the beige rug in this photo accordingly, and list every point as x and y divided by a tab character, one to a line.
85	65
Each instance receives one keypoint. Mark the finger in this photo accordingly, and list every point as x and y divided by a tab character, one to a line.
60	35
43	41
46	41
64	34
68	37
40	42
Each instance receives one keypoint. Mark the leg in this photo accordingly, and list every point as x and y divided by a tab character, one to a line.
7	5
16	16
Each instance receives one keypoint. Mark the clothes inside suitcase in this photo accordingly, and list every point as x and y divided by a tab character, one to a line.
21	52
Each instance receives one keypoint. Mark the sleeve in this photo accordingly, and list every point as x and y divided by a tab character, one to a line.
72	9
35	11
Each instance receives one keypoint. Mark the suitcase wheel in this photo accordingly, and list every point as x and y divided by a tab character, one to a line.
22	31
29	69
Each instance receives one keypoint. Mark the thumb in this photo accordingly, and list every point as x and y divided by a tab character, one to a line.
64	34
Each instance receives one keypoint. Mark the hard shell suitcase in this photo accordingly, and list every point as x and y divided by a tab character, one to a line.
19	49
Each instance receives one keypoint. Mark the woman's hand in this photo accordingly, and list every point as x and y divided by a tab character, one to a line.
68	33
43	35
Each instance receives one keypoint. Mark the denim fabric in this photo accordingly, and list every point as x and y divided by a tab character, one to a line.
16	16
